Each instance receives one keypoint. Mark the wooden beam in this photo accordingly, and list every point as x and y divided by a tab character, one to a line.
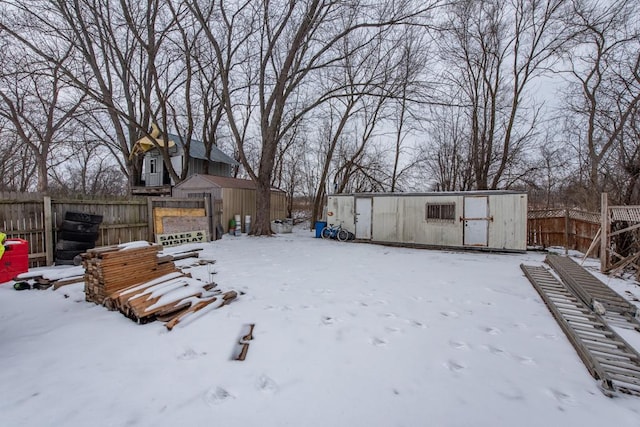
48	230
604	227
593	245
624	230
566	231
150	219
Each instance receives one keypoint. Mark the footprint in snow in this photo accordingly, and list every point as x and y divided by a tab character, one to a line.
328	320
454	366
560	396
491	330
266	384
217	396
388	315
494	350
189	354
459	345
511	393
525	360
322	291
451	314
417	324
378	342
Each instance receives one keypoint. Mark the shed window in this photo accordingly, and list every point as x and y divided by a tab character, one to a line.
153	165
440	211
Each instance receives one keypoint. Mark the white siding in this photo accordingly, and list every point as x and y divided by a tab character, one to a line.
508	230
402	219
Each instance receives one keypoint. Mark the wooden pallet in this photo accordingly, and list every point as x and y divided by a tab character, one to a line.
607	356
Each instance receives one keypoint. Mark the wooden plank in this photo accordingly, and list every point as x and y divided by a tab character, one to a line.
69	281
197	307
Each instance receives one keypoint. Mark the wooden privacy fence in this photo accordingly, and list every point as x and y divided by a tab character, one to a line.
38	220
568	228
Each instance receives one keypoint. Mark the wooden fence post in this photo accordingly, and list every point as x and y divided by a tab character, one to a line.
604	236
48	230
150	218
566	231
208	209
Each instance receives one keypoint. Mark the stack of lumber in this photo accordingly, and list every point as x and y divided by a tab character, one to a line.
112	268
145	285
171	298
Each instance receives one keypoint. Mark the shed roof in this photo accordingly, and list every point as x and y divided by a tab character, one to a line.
218	181
433	193
197	151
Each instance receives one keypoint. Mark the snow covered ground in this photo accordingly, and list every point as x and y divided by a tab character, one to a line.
346	335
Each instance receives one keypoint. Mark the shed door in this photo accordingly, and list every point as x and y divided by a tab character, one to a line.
154	173
476	221
363	218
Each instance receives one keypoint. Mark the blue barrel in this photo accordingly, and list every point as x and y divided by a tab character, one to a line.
319	226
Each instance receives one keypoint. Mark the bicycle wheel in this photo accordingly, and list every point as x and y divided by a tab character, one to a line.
325	233
343	235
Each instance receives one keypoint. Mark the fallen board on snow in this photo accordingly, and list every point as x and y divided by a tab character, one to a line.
211	303
242	346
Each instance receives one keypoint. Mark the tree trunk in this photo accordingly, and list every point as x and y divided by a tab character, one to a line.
262	224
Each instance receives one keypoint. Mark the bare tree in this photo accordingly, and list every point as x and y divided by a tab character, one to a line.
282	45
444	154
366	76
123	57
90	170
409	92
17	165
604	91
493	51
622	170
40	108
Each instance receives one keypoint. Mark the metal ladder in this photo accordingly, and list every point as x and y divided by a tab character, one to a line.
588	288
607	356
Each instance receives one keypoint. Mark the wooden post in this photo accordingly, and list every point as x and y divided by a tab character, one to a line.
150	218
48	230
604	236
208	209
566	231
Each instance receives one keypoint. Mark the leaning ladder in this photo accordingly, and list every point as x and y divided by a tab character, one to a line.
607	356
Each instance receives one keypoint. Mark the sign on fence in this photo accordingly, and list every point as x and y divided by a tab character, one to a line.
174	239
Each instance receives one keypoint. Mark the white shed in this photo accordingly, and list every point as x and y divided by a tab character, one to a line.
494	220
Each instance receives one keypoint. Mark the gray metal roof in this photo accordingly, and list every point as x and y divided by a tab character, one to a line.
434	193
197	151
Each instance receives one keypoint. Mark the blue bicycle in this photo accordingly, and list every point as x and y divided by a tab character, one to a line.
335	232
